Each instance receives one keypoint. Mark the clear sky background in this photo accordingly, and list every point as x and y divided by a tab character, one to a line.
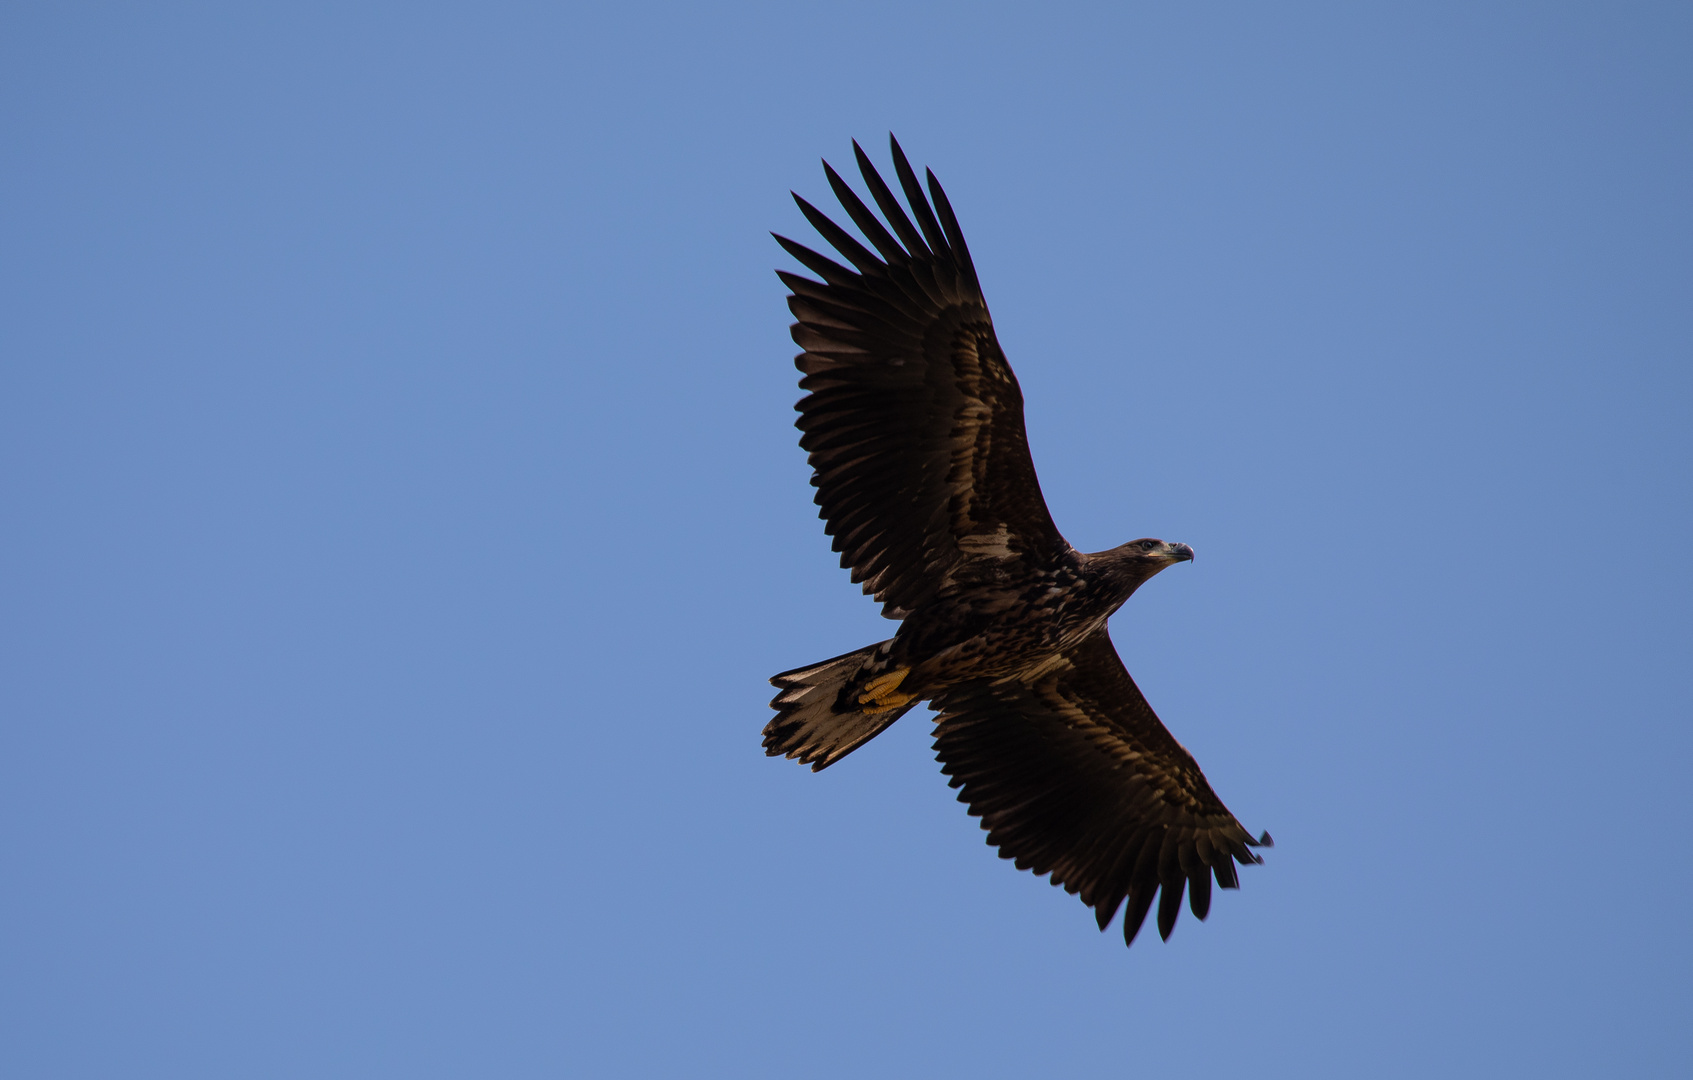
400	516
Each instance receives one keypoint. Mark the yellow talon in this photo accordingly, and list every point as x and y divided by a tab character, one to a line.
882	683
882	692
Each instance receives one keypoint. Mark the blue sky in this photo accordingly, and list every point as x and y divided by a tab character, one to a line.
403	515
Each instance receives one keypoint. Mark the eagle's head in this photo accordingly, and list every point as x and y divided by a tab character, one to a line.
1154	555
1131	564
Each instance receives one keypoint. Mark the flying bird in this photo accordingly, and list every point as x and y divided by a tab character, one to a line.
913	424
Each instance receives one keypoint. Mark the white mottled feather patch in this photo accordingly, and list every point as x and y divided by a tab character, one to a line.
994	545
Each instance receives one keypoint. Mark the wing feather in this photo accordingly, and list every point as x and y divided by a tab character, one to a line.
885	201
1073	775
912	419
861	216
919	205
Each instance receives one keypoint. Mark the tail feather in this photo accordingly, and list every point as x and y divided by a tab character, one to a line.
813	723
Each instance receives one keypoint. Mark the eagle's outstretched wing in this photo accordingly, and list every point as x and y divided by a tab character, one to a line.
912	419
1073	775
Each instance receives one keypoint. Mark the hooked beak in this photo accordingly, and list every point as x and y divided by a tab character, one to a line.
1180	553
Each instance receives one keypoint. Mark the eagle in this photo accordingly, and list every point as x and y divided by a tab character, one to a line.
912	422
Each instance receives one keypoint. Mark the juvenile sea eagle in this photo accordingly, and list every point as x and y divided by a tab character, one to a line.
913	423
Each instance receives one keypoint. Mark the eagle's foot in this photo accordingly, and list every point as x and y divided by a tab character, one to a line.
882	693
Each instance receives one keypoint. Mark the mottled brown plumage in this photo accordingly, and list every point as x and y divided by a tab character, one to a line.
913	423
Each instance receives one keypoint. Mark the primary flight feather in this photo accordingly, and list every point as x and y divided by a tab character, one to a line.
913	425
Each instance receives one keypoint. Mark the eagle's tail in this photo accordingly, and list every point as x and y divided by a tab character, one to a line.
818	717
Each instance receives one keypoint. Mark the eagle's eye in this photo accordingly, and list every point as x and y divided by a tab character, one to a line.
1148	545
